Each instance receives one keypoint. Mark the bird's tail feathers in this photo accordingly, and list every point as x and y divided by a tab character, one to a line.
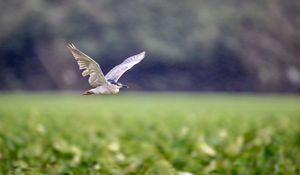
88	93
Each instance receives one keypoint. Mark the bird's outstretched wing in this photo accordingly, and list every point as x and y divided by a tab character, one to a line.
90	66
119	70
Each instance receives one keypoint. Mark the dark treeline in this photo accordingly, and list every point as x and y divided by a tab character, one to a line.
233	45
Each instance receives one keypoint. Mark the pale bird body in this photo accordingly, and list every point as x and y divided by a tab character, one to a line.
107	84
106	89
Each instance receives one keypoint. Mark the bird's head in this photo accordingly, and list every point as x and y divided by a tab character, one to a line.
120	85
124	86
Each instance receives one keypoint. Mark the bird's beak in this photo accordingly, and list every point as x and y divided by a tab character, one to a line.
124	86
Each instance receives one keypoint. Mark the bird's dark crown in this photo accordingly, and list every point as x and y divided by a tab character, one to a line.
117	84
114	82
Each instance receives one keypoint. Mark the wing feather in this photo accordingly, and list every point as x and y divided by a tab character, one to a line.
116	72
90	66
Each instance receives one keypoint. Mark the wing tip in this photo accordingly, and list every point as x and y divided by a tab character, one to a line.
71	46
143	53
72	49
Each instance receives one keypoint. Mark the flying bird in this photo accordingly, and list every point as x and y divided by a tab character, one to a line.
107	84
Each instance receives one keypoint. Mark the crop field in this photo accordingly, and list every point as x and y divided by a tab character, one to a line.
149	133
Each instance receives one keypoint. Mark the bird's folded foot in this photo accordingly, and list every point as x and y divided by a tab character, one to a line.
87	93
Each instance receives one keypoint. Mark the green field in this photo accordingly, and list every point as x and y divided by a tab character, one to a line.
153	134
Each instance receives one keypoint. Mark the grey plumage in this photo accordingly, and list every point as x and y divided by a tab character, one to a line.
119	70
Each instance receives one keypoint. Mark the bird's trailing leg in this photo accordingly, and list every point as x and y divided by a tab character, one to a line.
88	93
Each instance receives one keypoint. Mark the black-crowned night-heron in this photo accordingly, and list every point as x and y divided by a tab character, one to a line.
107	84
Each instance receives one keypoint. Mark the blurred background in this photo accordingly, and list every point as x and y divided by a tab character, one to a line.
191	45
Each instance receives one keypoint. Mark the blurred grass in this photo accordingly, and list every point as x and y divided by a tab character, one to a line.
151	133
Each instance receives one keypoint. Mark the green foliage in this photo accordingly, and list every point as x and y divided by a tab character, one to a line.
136	134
